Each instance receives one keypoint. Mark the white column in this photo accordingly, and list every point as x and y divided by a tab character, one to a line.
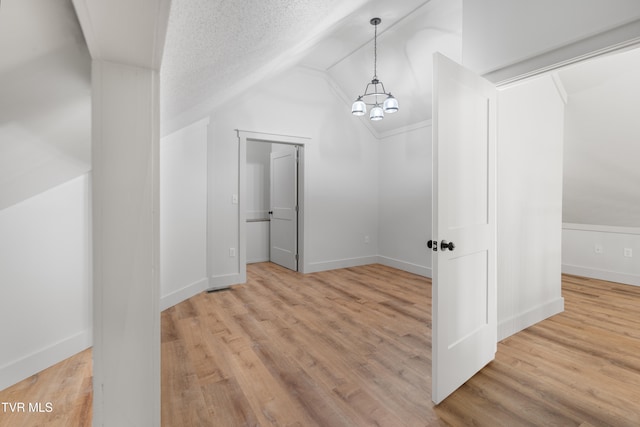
125	180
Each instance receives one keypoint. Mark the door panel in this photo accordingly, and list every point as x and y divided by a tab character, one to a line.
284	202
464	279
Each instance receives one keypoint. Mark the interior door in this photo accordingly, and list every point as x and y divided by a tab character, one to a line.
284	207
464	222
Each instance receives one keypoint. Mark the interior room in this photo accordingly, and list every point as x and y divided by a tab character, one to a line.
137	142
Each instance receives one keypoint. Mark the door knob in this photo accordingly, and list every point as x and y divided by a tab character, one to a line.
444	245
432	244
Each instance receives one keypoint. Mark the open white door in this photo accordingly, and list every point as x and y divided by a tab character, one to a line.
464	225
284	207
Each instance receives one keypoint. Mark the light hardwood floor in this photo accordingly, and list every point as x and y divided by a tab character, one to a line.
352	347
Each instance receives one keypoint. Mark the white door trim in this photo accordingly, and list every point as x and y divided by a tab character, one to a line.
243	137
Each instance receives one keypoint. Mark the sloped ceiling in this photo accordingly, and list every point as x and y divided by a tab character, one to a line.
45	98
215	50
407	40
601	145
218	49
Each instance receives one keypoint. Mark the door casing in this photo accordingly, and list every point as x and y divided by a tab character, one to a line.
302	142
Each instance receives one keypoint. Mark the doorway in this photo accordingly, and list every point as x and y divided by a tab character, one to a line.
271	200
272	203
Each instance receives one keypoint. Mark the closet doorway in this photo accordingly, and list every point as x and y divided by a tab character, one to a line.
272	200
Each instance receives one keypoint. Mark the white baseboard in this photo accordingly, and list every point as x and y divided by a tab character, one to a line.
611	276
33	363
185	293
515	324
314	267
405	266
224	281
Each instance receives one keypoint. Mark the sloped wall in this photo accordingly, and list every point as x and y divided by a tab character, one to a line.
45	103
45	148
601	160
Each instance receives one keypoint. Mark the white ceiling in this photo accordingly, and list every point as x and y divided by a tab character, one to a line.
215	50
588	74
45	98
405	50
124	31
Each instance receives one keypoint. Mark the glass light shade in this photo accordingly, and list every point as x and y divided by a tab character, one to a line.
376	113
390	104
359	108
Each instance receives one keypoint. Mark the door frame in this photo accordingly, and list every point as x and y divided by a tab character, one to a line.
243	137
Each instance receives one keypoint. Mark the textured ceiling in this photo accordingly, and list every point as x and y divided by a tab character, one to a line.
215	49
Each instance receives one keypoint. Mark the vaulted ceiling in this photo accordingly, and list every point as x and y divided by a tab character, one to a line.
215	50
45	98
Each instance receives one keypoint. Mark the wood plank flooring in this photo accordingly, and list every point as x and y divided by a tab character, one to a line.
352	347
66	386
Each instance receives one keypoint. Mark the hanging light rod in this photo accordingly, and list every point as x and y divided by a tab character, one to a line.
375	92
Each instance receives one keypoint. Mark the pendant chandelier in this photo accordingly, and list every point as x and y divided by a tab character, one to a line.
375	94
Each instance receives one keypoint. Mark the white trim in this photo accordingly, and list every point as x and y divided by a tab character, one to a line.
420	270
560	87
37	361
274	138
610	276
622	37
184	293
224	281
601	228
512	325
300	141
314	267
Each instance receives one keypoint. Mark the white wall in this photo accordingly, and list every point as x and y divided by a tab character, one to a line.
183	214
45	150
579	255
405	182
602	152
530	135
45	276
507	38
341	181
601	200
